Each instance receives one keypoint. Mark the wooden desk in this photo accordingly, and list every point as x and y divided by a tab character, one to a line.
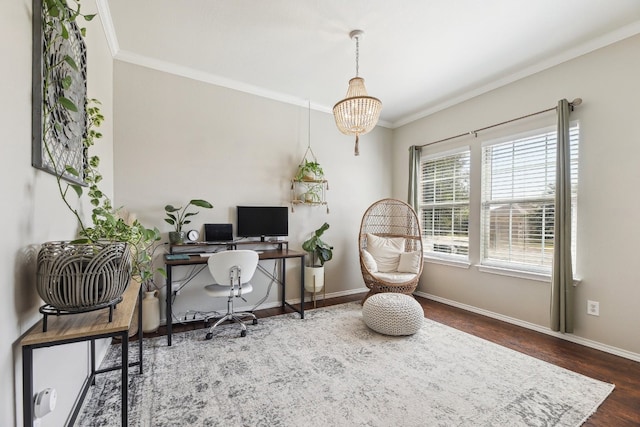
84	327
279	254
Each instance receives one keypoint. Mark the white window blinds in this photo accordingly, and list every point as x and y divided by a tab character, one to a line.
518	198
444	204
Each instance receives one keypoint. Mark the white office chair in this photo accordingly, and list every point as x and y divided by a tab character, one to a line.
232	270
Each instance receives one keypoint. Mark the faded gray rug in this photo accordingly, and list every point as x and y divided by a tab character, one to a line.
331	370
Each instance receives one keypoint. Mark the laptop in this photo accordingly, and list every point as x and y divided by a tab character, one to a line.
216	233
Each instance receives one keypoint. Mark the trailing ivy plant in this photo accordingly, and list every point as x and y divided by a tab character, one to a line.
108	223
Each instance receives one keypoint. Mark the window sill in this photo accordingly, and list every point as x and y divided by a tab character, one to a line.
540	277
447	261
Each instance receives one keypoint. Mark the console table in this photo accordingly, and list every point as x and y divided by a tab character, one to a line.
85	327
282	254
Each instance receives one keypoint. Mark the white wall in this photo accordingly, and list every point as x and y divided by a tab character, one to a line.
608	228
34	214
177	139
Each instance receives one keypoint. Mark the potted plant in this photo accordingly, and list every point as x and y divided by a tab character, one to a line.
319	253
309	171
93	270
178	217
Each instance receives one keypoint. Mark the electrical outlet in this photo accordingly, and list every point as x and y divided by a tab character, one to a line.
593	308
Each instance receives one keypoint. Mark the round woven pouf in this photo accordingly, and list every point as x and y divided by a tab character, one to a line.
393	314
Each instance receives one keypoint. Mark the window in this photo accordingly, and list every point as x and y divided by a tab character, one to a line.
444	204
518	198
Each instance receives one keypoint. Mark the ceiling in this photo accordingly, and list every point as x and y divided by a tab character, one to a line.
416	56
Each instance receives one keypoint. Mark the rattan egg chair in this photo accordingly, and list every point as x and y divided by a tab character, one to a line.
394	219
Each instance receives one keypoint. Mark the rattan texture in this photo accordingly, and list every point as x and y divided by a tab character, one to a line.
393	314
390	218
74	277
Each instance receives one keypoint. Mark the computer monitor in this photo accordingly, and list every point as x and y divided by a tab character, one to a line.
262	221
218	232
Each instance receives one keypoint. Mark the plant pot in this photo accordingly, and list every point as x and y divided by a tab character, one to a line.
313	279
177	237
78	277
150	311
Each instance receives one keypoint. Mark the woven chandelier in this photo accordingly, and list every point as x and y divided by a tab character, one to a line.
358	112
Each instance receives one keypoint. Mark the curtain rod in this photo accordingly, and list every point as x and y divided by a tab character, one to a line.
572	104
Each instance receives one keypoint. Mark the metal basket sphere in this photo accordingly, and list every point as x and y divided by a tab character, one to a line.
76	277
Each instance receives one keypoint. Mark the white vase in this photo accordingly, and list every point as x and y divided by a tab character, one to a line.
150	312
313	279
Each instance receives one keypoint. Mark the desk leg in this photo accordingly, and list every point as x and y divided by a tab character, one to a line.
140	329
302	287
27	386
283	269
168	313
125	378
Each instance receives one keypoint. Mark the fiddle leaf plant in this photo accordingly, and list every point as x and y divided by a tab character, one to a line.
319	251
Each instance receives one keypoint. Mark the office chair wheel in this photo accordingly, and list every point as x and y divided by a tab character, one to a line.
209	335
243	333
255	321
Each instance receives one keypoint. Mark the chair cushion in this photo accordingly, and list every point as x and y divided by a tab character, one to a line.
386	251
369	261
216	290
393	314
409	262
394	277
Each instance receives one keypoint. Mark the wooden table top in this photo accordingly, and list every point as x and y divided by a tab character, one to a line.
83	325
263	255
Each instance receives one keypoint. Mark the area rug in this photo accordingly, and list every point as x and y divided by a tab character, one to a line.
330	369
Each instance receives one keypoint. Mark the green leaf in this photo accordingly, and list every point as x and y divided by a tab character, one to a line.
89	17
171	208
68	104
71	170
83	31
77	188
201	203
65	32
66	82
69	60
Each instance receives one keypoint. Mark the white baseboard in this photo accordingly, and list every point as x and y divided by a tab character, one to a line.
567	337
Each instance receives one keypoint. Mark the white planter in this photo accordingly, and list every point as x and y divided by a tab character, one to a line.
313	279
150	312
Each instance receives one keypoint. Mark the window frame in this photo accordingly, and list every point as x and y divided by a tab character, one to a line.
511	268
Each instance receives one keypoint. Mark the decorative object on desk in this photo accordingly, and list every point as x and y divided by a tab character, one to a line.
308	186
358	112
178	217
319	253
106	254
193	235
150	311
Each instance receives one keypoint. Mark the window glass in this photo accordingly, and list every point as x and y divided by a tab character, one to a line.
444	204
518	198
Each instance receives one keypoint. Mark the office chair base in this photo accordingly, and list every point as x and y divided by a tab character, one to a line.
234	317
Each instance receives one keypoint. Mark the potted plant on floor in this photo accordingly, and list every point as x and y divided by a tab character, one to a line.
178	217
319	253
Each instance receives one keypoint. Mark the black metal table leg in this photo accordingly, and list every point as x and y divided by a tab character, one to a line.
168	314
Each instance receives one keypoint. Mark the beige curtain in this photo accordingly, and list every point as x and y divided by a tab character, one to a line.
414	169
562	274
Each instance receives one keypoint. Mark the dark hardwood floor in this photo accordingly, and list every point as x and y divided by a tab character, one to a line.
620	409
